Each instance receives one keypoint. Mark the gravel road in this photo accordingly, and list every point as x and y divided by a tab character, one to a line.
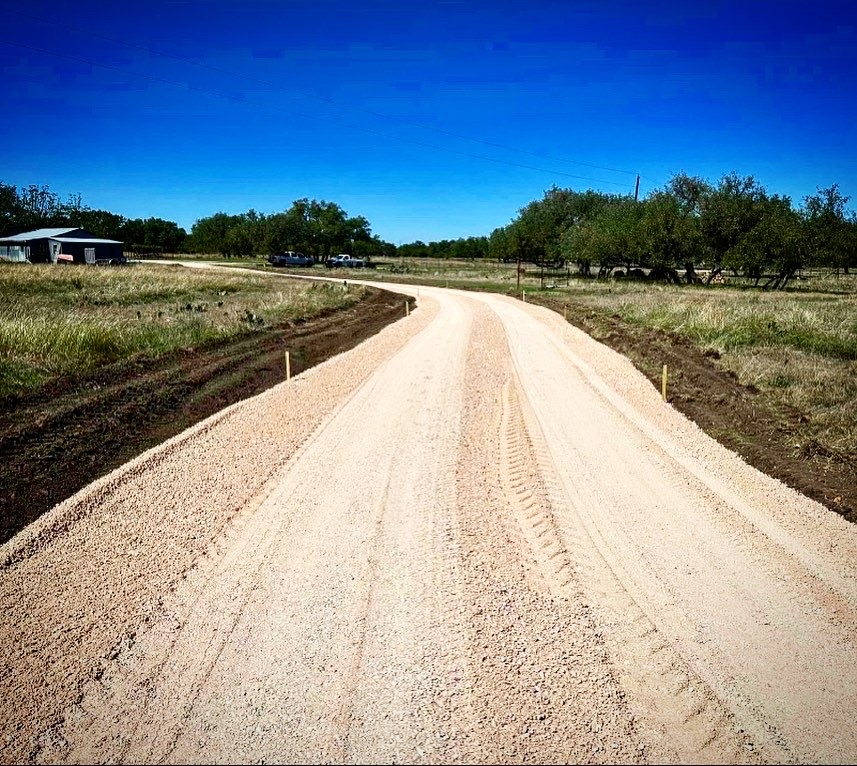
479	536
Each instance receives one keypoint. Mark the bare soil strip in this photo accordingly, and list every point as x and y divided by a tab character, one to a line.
481	537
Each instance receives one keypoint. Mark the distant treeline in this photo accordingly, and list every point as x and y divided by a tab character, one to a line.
309	226
689	225
37	207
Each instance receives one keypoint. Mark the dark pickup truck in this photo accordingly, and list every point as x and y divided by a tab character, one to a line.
291	258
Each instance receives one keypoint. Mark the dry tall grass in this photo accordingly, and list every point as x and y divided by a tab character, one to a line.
799	348
65	320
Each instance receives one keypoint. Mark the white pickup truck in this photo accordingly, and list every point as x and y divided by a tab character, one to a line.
345	261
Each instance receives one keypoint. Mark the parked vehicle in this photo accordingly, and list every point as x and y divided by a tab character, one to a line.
345	261
291	258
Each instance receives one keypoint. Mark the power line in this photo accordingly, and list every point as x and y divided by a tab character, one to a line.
291	112
323	99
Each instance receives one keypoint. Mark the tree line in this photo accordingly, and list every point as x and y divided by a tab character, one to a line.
313	227
37	207
689	225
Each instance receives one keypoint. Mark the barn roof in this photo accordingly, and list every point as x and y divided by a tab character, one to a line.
39	234
87	241
60	235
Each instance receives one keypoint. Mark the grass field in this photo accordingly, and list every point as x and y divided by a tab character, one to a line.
799	347
59	321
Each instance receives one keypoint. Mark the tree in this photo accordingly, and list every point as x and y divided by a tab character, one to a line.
728	213
10	210
777	243
323	228
610	238
537	232
38	208
670	236
239	240
418	249
500	245
691	192
208	235
282	232
103	223
370	248
830	234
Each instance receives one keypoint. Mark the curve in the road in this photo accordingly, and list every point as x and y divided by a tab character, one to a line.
478	537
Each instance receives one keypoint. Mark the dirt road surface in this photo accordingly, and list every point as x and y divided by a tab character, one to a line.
479	536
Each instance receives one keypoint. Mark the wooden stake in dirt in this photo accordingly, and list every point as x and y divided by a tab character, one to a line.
288	368
664	384
407	309
565	312
523	296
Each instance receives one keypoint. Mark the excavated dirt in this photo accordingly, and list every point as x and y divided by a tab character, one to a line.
478	537
75	431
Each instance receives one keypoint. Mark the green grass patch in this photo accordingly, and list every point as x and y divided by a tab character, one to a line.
62	320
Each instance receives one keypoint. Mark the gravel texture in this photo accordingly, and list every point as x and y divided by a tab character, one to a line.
479	536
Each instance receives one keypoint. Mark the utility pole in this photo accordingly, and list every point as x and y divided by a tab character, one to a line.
637	188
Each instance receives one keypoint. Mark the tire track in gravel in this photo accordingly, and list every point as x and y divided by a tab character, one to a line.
541	676
522	482
670	698
684	712
717	633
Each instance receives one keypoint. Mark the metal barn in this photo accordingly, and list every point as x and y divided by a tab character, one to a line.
69	245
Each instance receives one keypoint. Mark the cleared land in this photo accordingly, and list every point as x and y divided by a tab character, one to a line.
528	557
103	393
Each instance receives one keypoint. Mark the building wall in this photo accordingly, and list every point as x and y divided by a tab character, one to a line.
103	251
13	253
39	251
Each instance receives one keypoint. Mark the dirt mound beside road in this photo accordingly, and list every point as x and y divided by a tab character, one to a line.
74	431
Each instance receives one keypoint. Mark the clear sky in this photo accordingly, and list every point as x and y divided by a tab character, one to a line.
434	119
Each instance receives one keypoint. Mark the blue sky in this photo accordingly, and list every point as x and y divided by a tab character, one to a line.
434	120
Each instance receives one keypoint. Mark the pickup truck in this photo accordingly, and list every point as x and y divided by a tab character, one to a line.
345	261
291	258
